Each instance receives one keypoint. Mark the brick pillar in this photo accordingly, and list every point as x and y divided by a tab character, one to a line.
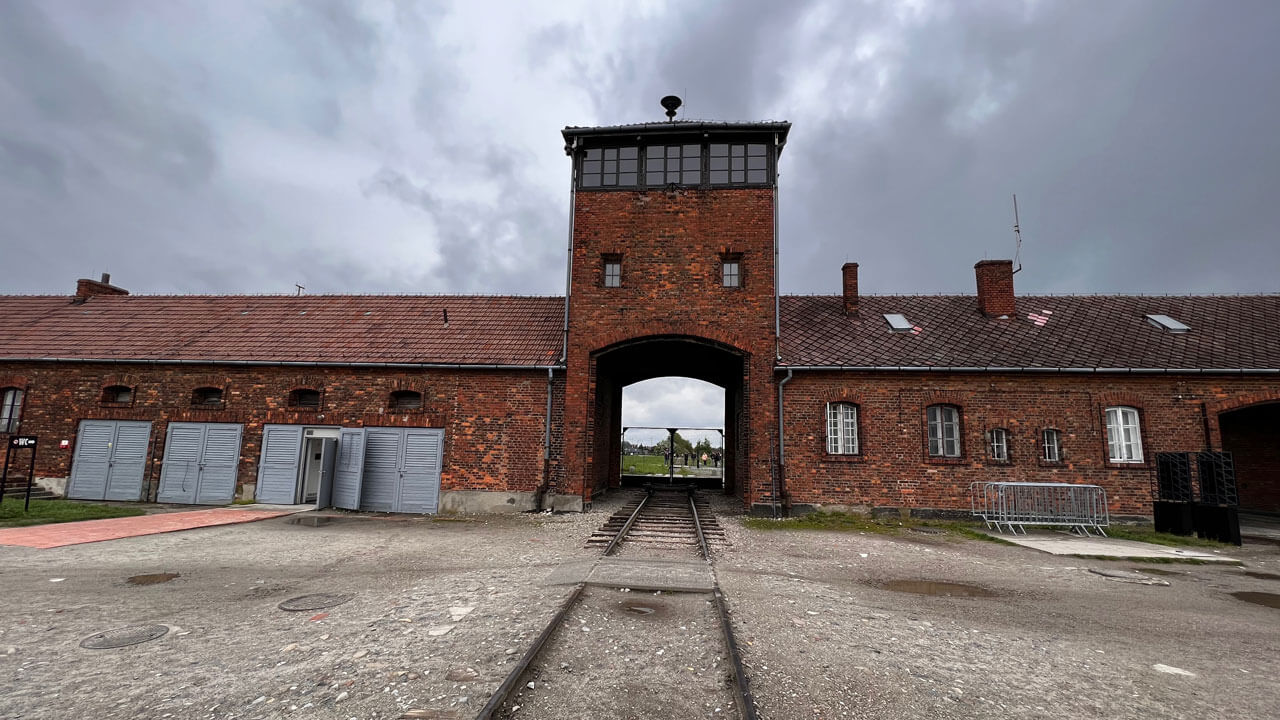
850	272
995	287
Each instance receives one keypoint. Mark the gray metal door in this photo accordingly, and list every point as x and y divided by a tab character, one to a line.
420	471
349	473
278	469
200	463
328	461
381	487
110	458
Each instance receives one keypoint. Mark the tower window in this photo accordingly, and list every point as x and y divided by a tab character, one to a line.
120	394
731	270
206	397
305	398
611	167
673	164
613	271
738	164
406	400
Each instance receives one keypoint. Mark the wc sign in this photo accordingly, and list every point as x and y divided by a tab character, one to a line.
19	442
22	441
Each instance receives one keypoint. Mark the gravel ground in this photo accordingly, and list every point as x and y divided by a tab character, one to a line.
442	610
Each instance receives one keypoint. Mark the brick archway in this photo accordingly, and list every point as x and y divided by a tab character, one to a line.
1247	427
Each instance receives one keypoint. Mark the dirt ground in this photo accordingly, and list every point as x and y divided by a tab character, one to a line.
442	609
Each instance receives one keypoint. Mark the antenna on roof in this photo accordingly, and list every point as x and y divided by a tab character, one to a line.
300	288
671	103
1017	236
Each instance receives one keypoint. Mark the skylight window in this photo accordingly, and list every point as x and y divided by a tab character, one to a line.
1168	324
898	322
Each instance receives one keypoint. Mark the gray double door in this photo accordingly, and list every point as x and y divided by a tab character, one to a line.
110	459
200	463
401	470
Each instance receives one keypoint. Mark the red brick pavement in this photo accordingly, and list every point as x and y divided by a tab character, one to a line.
87	531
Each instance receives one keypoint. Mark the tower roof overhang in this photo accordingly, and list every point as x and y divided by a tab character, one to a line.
675	130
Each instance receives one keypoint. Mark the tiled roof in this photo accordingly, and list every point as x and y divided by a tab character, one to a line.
499	330
1099	331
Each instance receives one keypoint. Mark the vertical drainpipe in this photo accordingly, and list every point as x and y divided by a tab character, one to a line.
779	483
568	292
540	500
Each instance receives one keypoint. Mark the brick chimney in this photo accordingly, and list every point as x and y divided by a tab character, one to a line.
850	272
995	287
86	288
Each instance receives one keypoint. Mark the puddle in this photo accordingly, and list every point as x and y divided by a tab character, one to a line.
314	520
941	589
152	579
1264	599
638	609
1262	575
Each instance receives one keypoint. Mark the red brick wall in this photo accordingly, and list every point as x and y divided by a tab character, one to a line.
894	470
1251	436
671	243
494	421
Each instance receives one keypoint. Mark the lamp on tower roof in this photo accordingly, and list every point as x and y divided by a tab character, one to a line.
671	103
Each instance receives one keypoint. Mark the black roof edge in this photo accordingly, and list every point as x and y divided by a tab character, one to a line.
680	127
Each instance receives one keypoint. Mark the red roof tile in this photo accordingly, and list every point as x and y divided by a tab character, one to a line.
1098	331
482	330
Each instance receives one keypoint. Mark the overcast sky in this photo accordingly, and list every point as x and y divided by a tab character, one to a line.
394	147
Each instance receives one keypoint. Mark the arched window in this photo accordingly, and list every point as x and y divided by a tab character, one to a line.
206	397
842	428
944	431
1124	435
998	447
10	409
405	400
305	398
120	394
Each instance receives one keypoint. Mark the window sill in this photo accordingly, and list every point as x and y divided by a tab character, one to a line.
931	460
843	457
1113	465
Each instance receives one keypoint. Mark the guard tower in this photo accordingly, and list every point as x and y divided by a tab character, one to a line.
672	261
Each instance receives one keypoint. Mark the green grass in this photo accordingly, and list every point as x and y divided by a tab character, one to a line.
1147	534
644	465
58	511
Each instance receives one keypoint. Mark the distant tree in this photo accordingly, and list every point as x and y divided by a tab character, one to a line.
682	446
703	448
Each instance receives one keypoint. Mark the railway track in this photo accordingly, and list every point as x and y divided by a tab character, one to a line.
665	518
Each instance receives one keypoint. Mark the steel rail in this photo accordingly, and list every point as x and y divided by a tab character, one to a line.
697	524
741	685
626	527
504	690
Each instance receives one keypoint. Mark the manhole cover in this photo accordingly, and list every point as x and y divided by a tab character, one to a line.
314	602
151	579
123	637
933	587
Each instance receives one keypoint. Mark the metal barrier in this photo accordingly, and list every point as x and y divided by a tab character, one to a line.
1015	504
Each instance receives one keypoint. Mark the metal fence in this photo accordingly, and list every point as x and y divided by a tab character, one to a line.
1082	508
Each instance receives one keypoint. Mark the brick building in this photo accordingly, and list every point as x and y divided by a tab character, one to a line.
477	403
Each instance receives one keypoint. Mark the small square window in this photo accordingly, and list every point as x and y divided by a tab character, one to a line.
999	447
612	271
731	275
305	398
117	394
206	397
1051	446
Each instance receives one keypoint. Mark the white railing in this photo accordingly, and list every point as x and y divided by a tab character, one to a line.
1014	504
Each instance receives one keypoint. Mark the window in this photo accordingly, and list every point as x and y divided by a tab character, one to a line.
612	270
999	447
10	409
1051	444
206	397
842	428
305	398
611	167
898	323
406	400
673	164
122	394
944	431
738	164
731	272
1124	436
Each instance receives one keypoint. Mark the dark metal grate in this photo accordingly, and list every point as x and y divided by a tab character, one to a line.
318	601
123	637
1217	473
1173	477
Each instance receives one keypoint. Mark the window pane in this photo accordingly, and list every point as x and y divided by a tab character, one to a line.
590	167
629	153
590	181
738	163
592	154
690	177
755	149
627	178
673	151
611	153
629	165
756	176
737	176
738	151
755	163
719	177
719	150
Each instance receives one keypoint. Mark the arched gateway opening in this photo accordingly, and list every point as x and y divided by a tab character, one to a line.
632	361
1249	434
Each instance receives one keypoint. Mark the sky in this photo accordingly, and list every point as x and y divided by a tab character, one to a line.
401	147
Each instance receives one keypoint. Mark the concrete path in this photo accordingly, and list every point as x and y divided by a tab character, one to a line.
1058	543
87	531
